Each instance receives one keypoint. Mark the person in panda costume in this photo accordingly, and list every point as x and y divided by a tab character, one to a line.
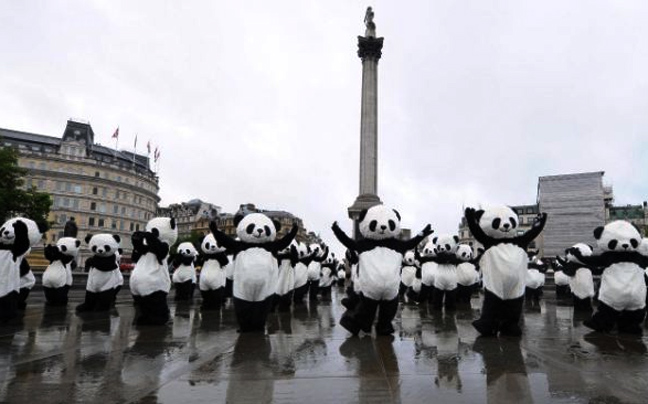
17	236
561	280
327	277
535	280
622	295
318	255
408	273
425	257
444	292
103	277
255	266
341	275
213	277
184	276
353	290
150	281
57	278
301	273
467	275
380	256
286	260
503	265
581	281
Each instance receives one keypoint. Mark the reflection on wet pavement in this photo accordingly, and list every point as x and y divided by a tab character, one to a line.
55	356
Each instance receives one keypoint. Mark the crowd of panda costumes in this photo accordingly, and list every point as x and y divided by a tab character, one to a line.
328	277
380	255
425	258
353	289
444	287
286	260
17	236
581	281
255	266
150	281
535	280
318	255
57	278
340	277
301	273
213	275
622	294
104	275
503	265
561	280
408	273
184	276
467	275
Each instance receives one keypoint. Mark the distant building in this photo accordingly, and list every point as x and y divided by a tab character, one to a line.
636	214
192	216
105	190
575	205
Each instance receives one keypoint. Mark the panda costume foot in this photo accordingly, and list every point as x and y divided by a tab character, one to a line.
349	324
8	307
153	309
56	296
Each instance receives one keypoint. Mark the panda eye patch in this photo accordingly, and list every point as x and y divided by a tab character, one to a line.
373	225
496	223
513	223
207	245
634	243
94	248
107	248
250	228
63	248
392	225
267	230
612	244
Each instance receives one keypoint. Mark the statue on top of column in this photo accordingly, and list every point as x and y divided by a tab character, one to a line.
371	26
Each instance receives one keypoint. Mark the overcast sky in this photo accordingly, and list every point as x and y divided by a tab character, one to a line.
259	101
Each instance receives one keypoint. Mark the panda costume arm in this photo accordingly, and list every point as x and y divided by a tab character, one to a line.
525	239
472	219
412	243
323	257
421	259
156	246
24	267
280	244
232	246
346	241
21	240
52	253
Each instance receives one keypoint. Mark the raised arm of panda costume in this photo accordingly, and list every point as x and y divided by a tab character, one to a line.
236	246
364	245
473	216
153	245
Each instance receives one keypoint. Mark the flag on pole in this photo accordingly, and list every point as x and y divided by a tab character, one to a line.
135	145
156	155
116	134
148	147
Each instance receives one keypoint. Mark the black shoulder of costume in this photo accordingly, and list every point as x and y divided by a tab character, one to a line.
24	267
104	264
20	245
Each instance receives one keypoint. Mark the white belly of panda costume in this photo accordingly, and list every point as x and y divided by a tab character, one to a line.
149	276
55	275
445	277
582	284
504	268
327	277
355	278
184	273
560	279
100	281
9	273
380	273
467	275
408	273
256	275
314	269
212	275
535	279
428	271
27	281
623	286
301	275
229	269
286	279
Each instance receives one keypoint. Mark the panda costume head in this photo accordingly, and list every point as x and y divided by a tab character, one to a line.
103	245
429	250
617	236
464	252
69	246
584	249
8	231
379	223
164	228
316	250
409	259
302	250
256	228
210	246
499	222
187	250
445	244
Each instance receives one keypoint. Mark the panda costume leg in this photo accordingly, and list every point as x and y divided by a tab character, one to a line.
362	317
510	317
387	310
582	305
604	319
153	309
212	299
437	296
488	322
104	301
9	306
183	291
251	316
56	296
313	290
229	285
450	302
89	302
22	298
629	321
285	301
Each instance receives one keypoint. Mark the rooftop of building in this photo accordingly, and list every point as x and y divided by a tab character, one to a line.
571	176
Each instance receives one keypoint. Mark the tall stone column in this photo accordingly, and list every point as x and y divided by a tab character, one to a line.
369	51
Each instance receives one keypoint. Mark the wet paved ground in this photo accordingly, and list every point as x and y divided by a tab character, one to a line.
59	357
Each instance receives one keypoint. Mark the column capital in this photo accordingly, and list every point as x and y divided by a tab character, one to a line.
369	47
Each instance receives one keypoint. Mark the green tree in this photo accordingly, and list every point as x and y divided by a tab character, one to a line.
14	200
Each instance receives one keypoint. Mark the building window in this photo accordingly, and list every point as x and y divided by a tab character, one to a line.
93	206
137	227
97	174
104	192
75	203
113	224
102	208
91	221
62	219
116	194
115	209
100	223
66	202
43	166
41	184
121	225
95	191
77	188
123	210
132	226
68	186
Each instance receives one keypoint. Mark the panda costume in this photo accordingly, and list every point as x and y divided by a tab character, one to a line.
103	277
428	269
17	236
255	266
150	281
318	255
535	281
581	281
57	278
184	276
503	265
444	287
27	282
327	277
467	275
353	291
561	280
301	273
408	273
213	276
622	295
380	255
341	275
286	261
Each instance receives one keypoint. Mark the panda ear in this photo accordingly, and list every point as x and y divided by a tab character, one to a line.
237	219
434	240
397	214
117	238
77	243
120	251
470	243
42	226
172	223
88	237
277	225
362	215
478	214
456	239
598	232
